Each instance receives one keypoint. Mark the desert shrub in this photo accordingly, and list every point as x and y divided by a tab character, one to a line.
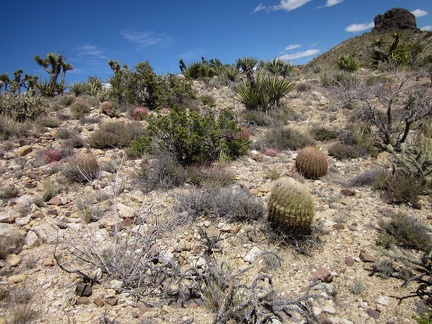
399	187
49	121
79	109
379	79
66	100
9	191
173	90
81	167
210	177
231	204
89	120
321	133
366	178
303	87
65	133
344	151
50	189
208	100
331	78
115	134
20	307
51	155
163	171
406	231
75	141
20	107
256	118
348	63
227	74
282	138
194	137
10	128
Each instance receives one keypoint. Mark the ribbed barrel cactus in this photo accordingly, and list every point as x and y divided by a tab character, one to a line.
312	163
291	207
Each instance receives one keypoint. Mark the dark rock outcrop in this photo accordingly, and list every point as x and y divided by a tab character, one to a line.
395	19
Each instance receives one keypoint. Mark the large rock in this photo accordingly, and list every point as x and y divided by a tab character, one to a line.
395	19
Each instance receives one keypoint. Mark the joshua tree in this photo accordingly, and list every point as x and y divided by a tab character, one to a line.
54	64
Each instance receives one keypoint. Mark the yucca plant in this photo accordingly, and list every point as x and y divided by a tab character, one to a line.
276	88
76	88
277	66
45	88
251	96
348	63
247	66
227	73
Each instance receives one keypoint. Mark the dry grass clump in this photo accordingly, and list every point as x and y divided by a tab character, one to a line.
321	133
281	138
79	109
162	171
367	178
344	151
400	187
232	204
20	308
10	128
81	168
210	177
115	134
405	231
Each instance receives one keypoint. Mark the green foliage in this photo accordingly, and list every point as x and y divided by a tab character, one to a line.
76	88
213	177
406	231
348	63
312	163
143	87
227	74
22	106
208	100
416	160
342	78
115	135
291	207
321	133
194	137
54	65
263	93
10	128
277	66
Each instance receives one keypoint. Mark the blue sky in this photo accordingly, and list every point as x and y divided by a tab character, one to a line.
89	33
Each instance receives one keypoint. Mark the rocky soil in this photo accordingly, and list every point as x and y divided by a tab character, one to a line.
348	219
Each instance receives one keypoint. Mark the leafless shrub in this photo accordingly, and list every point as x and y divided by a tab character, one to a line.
81	168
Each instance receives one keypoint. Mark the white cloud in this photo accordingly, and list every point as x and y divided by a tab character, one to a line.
293	46
289	5
333	2
147	39
91	50
359	27
260	7
419	13
426	28
288	57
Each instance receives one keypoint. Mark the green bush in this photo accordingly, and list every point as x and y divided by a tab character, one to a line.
344	151
115	134
22	106
348	63
194	137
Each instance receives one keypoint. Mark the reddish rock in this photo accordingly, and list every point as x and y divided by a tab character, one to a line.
53	212
367	257
98	302
349	261
126	222
348	192
323	274
55	201
338	226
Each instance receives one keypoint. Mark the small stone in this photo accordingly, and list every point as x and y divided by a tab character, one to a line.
24	150
13	260
349	261
367	257
111	300
116	284
348	192
55	201
23	220
17	278
323	274
31	240
383	300
126	222
323	319
252	254
82	300
98	302
83	289
373	313
206	223
338	226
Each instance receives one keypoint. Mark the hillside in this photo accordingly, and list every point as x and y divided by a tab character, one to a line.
363	48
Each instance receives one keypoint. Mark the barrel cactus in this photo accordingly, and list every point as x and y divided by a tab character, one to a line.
312	163
291	207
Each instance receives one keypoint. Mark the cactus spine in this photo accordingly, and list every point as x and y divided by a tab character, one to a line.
312	163
291	207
